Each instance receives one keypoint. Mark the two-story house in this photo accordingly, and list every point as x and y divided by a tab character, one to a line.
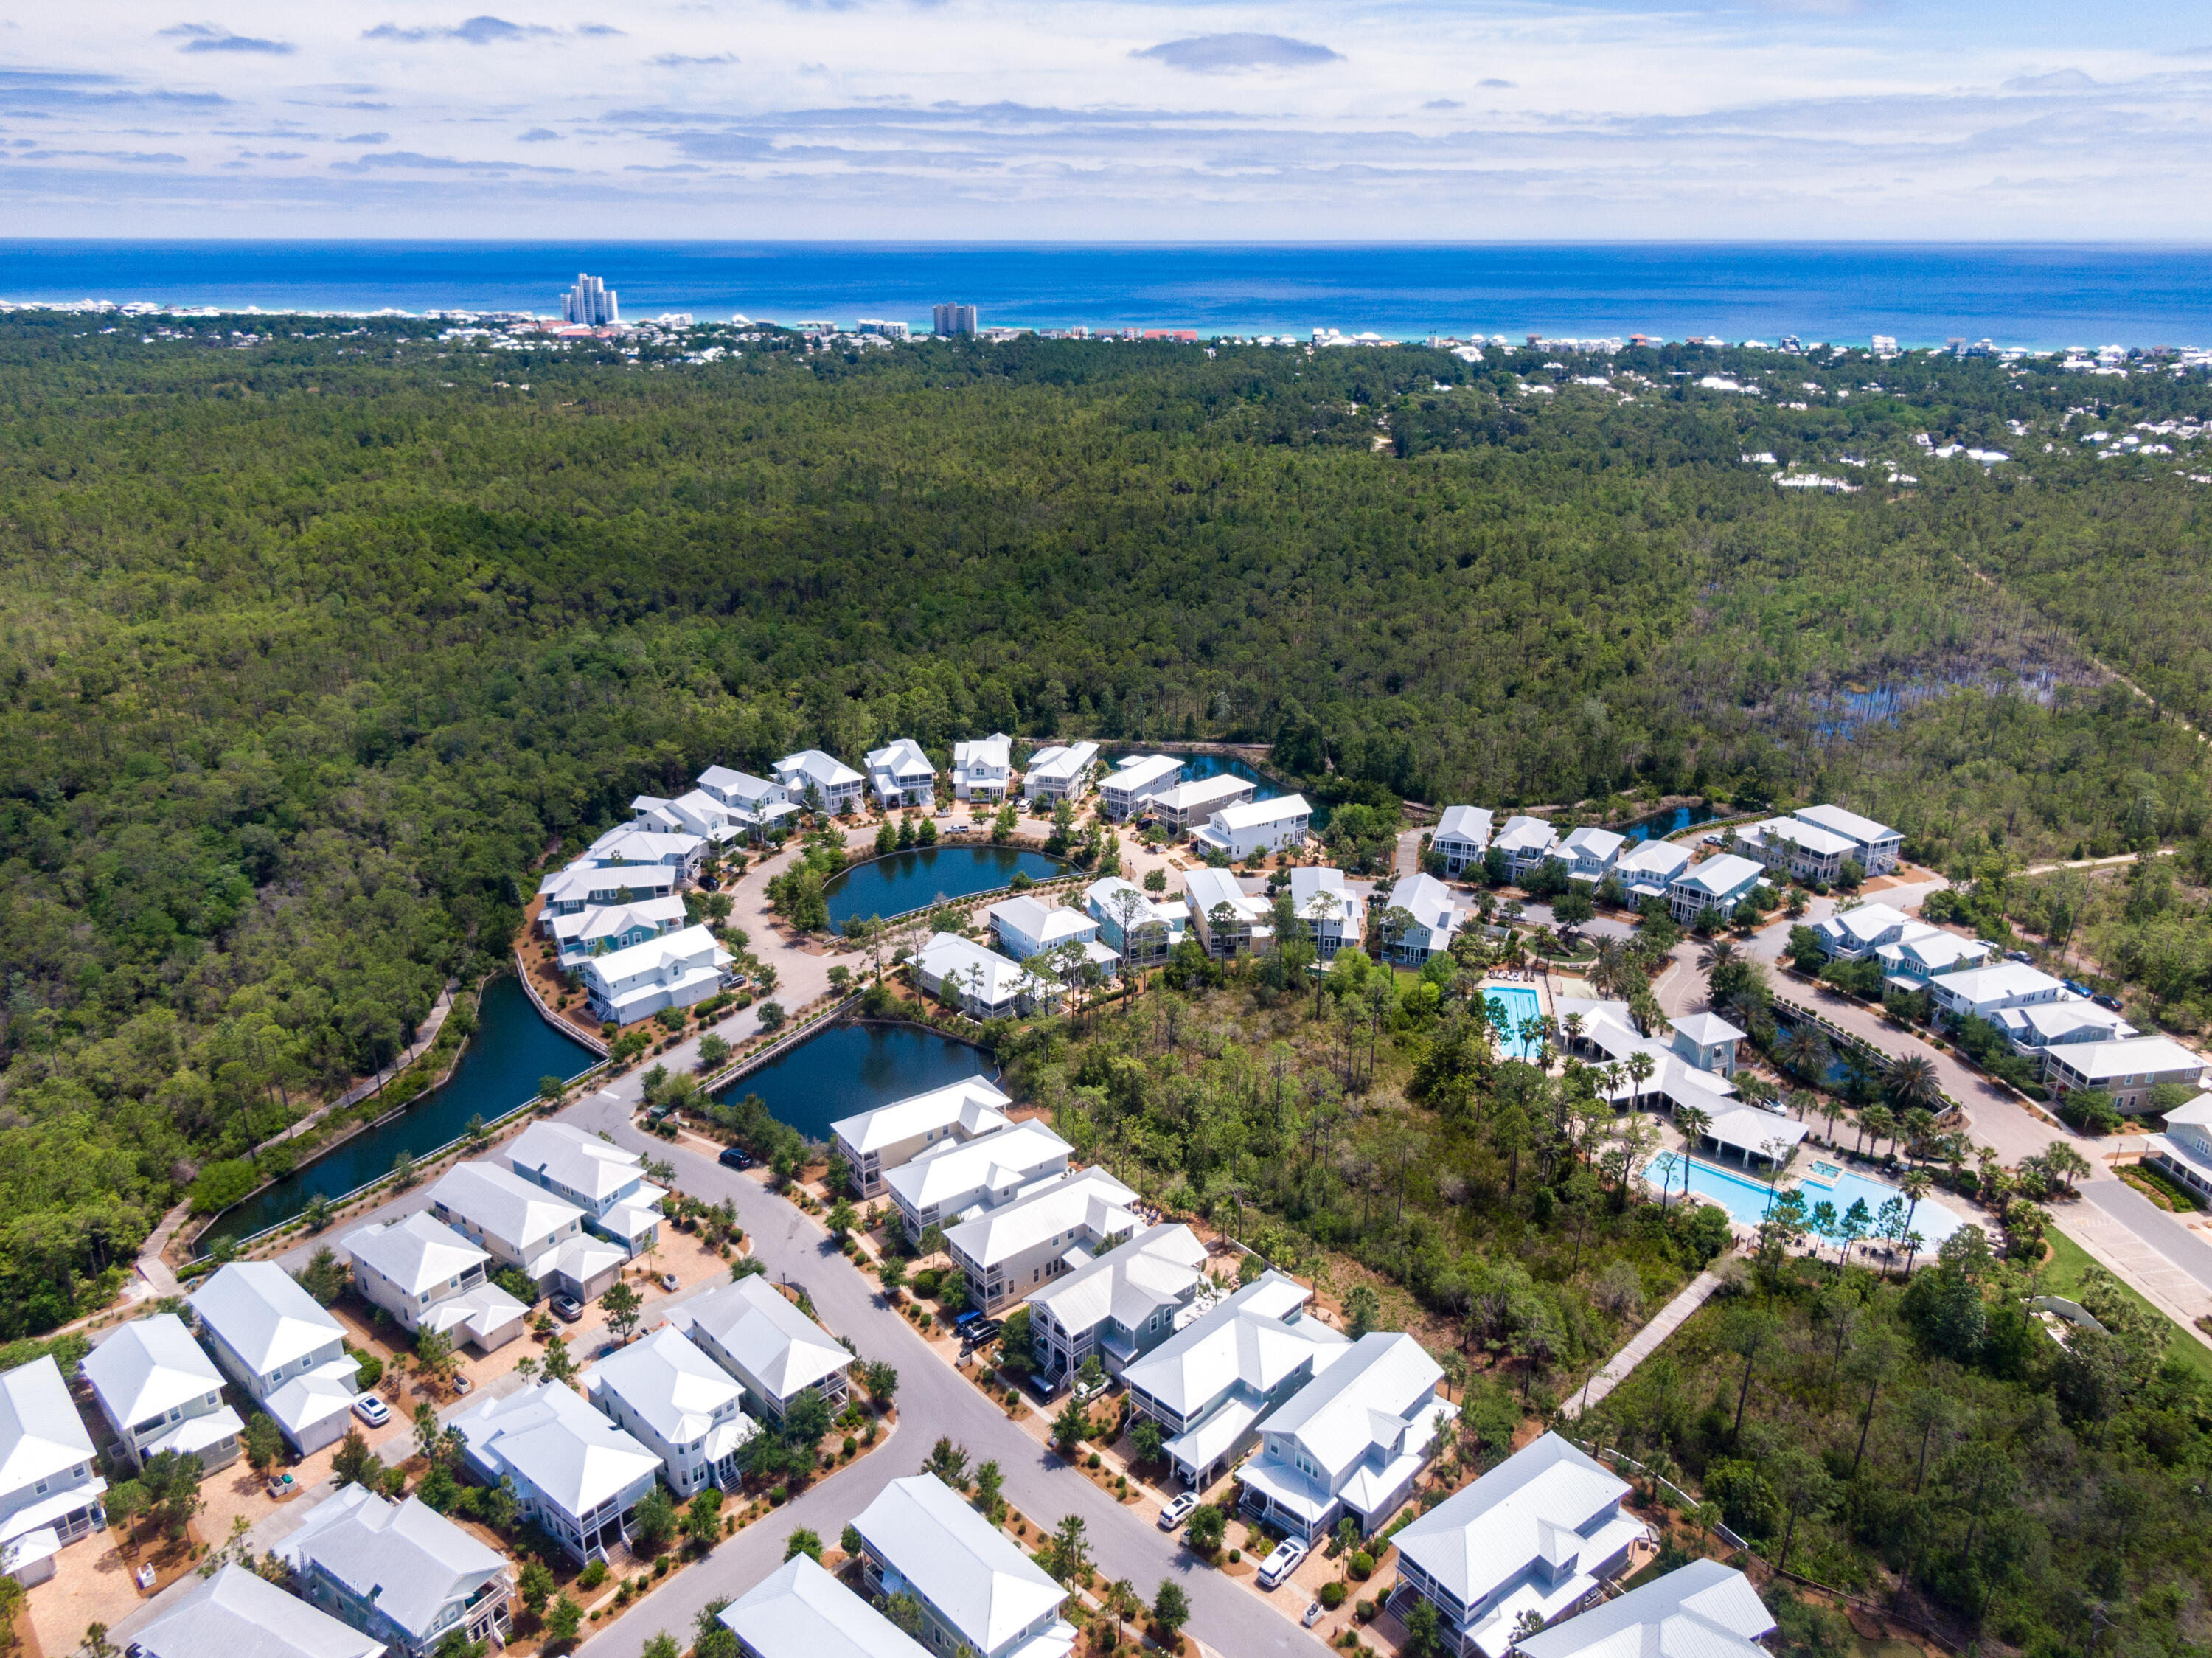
1330	910
982	983
2059	1024
1140	930
1118	1306
1525	842
2127	1071
1979	992
1184	807
1535	1537
601	929
1227	919
271	1338
673	970
1707	1041
1062	773
1427	918
50	1482
693	812
775	1352
810	776
1924	951
1351	1440
160	1392
900	774
1713	887
642	847
800	1610
238	1614
1211	1384
1812	854
1587	854
679	1403
1128	791
2185	1150
1461	839
428	1276
599	1176
1877	847
938	1185
1861	930
582	886
977	1592
1256	827
522	1225
1647	869
1027	926
399	1571
1012	1247
874	1142
575	1473
1704	1607
983	769
757	805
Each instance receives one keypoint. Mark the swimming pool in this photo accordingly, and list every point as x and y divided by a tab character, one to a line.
1520	1005
1745	1200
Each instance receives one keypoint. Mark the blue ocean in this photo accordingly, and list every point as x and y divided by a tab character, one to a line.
2036	296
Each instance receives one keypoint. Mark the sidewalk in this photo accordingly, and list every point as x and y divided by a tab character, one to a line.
1646	1341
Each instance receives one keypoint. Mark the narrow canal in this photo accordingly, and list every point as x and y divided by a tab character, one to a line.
854	1067
916	879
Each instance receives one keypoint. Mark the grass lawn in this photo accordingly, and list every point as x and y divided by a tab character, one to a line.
2063	1276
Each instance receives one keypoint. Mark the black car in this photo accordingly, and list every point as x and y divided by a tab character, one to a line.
568	1308
735	1157
976	1335
2109	1002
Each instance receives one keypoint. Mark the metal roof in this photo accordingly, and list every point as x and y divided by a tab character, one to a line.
969	1571
263	1315
237	1614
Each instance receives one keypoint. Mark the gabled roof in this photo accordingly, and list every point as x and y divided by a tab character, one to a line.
1465	823
1061	760
1526	834
996	751
972	1574
1488	1532
407	1556
676	1389
1703	1610
1158	1268
263	1315
637	843
1088	1201
609	920
148	1368
1252	814
998	1163
502	1203
1994	983
1199	796
1049	923
826	772
1320	895
582	1162
40	1433
2137	1057
1255	1336
901	757
1936	949
974	1106
1653	857
1142	773
687	948
948	954
549	1437
1204	888
2197	1112
738	785
1807	837
418	1253
237	1614
800	1610
1363	1399
1105	893
1864	922
781	1351
1590	841
1716	875
1428	901
1836	819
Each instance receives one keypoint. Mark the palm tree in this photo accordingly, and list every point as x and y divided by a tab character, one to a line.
1807	1052
1693	1123
1640	1067
1880	1126
1913	1081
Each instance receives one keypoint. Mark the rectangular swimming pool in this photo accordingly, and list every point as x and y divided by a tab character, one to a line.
1520	1005
1745	1200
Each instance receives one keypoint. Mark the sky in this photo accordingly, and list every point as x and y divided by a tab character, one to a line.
1110	119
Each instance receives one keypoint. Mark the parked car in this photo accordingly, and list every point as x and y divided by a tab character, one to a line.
568	1308
1178	1511
973	1315
2019	955
976	1335
1312	1617
670	1283
2111	1003
372	1410
2078	989
735	1157
1280	1564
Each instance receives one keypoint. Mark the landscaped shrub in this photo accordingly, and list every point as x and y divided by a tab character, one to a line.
1333	1594
1363	1565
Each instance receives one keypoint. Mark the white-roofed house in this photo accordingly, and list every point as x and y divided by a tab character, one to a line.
271	1338
2059	1024
1140	930
1806	850
835	785
238	1614
693	812
1588	854
1351	1440
1879	846
1861	930
428	1276
1330	910
523	1226
1432	917
50	1482
1012	1247
1540	1534
753	1331
1717	886
1260	826
1211	1384
636	845
1765	1137
601	929
672	971
601	1179
757	805
1026	926
1981	992
680	1404
1119	1306
1648	869
983	982
2184	1150
1923	952
982	768
1181	808
1129	790
1703	1610
900	774
800	1610
2126	1070
1229	920
583	887
1609	1033
574	1472
1461	838
1060	773
1707	1041
976	1590
399	1571
874	1142
161	1391
938	1185
1526	842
